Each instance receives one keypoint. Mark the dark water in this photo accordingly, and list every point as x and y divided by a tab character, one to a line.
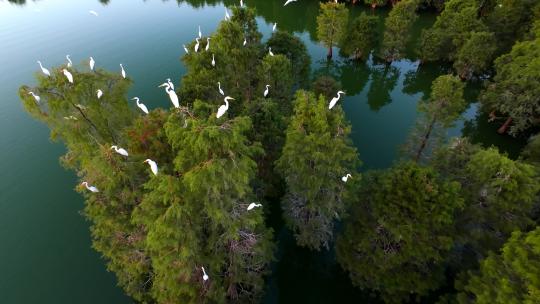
46	254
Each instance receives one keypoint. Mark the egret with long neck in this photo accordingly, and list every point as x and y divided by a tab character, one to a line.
224	107
335	100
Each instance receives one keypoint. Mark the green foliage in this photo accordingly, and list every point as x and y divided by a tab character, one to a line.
515	90
531	153
476	55
360	38
317	153
294	49
332	24
512	276
375	3
397	27
400	232
326	86
276	71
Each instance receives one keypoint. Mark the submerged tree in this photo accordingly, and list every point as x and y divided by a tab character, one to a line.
508	277
332	24
316	155
360	38
397	27
399	233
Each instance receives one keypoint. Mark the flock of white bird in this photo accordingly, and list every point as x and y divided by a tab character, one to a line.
169	89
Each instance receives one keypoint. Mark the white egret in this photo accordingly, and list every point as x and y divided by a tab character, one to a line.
245	41
227	16
90	188
92	63
153	166
335	99
172	95
241	3
270	51
205	276
120	151
289	1
80	106
213	60
71	117
122	71
220	90
93	13
200	34
185	49
70	63
141	106
44	70
346	177
207	44
222	109
37	98
99	93
170	83
253	205
196	45
274	27
266	91
68	75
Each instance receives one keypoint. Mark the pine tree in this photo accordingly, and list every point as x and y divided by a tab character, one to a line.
332	24
316	155
476	55
360	38
400	232
295	50
512	276
397	27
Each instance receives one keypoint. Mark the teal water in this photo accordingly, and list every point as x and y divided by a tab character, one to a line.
46	254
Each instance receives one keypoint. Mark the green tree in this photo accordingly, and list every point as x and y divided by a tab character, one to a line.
439	111
531	153
397	27
295	50
316	155
375	3
476	55
361	37
515	89
512	276
332	24
400	232
326	86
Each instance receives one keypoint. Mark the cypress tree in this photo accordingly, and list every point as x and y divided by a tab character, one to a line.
397	27
316	155
361	37
332	24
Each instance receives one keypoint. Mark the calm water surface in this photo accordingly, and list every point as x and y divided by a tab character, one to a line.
46	254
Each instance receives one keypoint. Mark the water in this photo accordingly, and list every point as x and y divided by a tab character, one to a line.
46	254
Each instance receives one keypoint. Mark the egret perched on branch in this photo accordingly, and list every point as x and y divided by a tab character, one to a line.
185	49
207	44
172	95
170	83
289	1
93	13
213	60
200	34
120	151
92	63
90	188
197	44
153	166
270	51
241	3
220	90
122	71
68	75
37	98
140	105
99	93
266	91
253	205
274	27
70	63
245	41
205	276
222	109
335	99
346	177
44	70
227	16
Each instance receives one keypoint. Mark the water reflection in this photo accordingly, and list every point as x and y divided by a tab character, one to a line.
384	78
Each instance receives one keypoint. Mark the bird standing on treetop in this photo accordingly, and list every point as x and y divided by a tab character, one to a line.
213	60
123	71
222	109
170	83
266	91
172	95
196	45
120	151
270	51
274	27
205	276
68	75
220	90
99	93
37	98
207	44
70	63
153	166
335	99
140	105
90	188
44	70
92	63
253	205
185	49
346	177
